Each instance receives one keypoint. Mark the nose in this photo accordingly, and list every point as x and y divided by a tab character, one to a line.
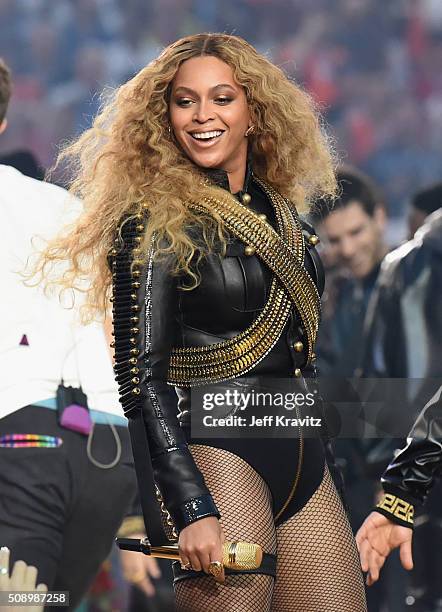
203	112
347	249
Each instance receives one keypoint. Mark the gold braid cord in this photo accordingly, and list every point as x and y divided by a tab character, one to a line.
284	254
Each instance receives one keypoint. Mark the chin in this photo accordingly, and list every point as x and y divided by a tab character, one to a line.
206	162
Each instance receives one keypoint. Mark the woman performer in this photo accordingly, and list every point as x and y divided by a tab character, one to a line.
191	179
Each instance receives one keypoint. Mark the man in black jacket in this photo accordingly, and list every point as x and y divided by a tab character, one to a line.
406	482
403	340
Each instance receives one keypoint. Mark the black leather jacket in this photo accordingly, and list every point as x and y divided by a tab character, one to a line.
232	291
413	472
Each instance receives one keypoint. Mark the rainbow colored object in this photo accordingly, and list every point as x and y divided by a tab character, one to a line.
29	440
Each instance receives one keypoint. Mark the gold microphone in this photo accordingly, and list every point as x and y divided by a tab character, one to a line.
236	555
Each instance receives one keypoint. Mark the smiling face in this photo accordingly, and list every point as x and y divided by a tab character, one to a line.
209	116
355	239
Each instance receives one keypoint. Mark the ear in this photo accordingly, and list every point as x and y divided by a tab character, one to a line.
380	216
3	125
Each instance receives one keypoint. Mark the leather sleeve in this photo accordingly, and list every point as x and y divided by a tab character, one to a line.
153	300
410	476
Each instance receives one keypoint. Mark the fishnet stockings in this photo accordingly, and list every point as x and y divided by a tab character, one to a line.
318	564
318	567
245	504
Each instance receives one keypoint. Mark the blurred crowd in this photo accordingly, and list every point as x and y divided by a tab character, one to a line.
372	66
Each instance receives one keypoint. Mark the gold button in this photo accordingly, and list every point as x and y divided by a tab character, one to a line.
263	217
314	240
249	250
246	198
298	373
298	346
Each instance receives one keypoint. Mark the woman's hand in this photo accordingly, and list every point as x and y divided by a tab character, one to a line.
201	543
376	538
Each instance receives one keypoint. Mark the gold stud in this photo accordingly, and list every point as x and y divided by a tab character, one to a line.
314	240
133	361
249	250
134	370
112	344
136	273
134	319
297	373
135	307
132	340
135	380
145	206
139	216
112	299
298	346
140	227
134	351
136	391
113	252
263	217
134	330
246	198
136	285
133	296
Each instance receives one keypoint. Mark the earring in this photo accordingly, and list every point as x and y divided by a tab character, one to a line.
249	130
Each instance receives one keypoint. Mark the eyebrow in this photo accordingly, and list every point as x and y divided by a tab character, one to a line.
188	90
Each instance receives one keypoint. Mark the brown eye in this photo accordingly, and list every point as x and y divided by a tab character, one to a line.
223	100
184	102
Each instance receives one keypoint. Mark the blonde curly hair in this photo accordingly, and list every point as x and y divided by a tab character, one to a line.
128	162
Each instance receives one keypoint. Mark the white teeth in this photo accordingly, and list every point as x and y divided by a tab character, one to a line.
207	135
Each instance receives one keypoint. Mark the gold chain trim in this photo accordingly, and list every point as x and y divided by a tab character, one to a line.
167	517
284	254
397	507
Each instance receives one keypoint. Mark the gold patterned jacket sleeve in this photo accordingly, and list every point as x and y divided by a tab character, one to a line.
145	300
410	476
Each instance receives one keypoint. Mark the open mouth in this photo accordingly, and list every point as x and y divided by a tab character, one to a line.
207	136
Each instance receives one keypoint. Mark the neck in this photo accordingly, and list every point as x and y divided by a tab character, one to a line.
236	179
